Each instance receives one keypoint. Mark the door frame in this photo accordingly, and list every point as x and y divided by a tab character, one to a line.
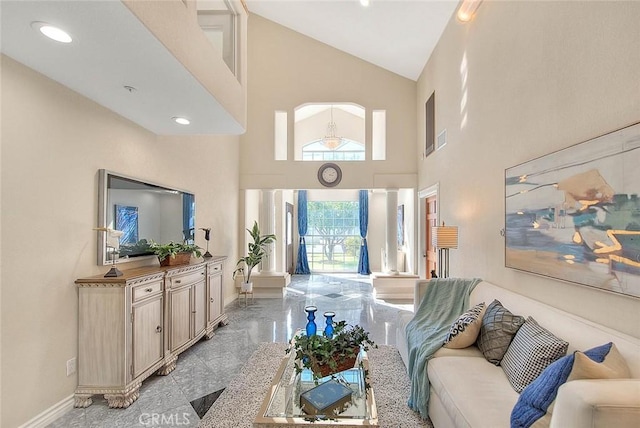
289	257
423	194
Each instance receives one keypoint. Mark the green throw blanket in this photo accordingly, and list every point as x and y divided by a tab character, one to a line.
445	300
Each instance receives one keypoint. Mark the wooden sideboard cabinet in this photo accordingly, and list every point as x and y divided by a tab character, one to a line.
137	324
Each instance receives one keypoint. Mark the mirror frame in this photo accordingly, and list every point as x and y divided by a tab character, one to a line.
103	180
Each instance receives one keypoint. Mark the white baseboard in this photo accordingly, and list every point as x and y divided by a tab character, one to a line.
51	414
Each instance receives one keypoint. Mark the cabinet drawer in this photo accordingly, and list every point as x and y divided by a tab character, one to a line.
215	269
146	290
186	279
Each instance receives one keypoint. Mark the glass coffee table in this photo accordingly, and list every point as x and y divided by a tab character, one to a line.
281	406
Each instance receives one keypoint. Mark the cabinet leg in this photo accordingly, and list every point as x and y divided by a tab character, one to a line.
224	321
82	400
169	366
123	400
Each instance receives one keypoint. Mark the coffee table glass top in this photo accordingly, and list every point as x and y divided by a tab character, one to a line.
282	404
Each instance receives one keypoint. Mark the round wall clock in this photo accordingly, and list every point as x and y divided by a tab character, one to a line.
329	174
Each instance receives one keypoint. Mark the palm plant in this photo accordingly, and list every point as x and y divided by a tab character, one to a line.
257	250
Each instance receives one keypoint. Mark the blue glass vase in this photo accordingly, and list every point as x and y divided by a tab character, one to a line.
328	330
311	316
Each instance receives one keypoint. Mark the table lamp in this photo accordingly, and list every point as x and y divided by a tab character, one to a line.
111	233
444	238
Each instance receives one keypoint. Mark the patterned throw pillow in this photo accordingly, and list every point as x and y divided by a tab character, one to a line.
464	331
532	350
499	326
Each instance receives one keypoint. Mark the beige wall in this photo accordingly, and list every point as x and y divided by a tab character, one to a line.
541	76
53	143
288	69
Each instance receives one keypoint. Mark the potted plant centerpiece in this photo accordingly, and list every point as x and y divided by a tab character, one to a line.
174	253
325	355
257	251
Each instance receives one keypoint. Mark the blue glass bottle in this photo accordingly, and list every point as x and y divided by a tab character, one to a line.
328	330
311	316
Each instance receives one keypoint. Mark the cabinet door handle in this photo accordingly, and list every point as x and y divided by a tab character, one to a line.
178	281
193	312
148	290
201	273
212	300
158	329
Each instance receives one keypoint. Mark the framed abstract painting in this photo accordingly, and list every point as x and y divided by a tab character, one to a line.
126	219
574	214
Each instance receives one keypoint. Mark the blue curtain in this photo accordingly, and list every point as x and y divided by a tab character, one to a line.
187	217
302	265
363	264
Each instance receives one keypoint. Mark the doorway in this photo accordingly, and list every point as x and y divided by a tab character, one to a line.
431	220
428	207
333	237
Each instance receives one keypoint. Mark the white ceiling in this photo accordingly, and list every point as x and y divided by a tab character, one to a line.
398	35
113	49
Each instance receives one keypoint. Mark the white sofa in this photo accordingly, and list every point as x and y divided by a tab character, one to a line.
468	391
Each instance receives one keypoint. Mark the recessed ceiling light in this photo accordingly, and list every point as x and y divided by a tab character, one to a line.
364	3
52	32
181	120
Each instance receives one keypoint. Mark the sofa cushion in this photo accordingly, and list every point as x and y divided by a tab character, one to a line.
499	326
613	367
473	392
464	331
537	398
533	348
470	351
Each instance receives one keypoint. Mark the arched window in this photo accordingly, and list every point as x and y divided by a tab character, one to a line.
329	132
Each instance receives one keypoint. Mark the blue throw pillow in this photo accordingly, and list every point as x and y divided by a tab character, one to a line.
536	398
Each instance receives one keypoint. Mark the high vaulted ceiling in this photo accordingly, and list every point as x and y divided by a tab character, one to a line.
397	35
105	59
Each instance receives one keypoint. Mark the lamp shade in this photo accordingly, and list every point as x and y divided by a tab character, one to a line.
444	236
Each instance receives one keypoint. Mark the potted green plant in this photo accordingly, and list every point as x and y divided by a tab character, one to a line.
174	253
257	251
325	355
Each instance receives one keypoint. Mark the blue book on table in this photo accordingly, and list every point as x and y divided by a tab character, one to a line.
325	398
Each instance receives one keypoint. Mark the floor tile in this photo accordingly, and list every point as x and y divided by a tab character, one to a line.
201	405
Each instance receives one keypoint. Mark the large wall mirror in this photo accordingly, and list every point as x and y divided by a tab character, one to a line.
140	212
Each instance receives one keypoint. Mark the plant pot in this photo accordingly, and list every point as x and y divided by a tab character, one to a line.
179	259
346	363
246	287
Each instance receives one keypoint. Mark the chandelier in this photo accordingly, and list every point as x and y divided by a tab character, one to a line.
331	141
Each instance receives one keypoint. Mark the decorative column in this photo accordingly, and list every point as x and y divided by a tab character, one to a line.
392	231
267	227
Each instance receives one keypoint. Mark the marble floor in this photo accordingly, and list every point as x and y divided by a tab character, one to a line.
207	367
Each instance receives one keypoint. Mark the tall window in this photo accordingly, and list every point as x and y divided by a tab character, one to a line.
333	236
324	132
430	124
